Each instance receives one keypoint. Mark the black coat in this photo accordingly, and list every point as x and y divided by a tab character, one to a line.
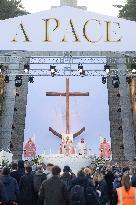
11	188
16	175
53	192
27	196
103	188
3	195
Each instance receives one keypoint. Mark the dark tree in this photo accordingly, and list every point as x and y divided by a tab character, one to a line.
128	11
11	8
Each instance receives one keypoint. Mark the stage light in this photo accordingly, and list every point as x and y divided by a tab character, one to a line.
31	79
119	110
6	79
107	68
133	68
115	81
120	128
81	70
128	80
18	81
53	70
1	68
104	79
26	68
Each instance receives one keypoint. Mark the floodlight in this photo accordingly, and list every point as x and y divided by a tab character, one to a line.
104	80
6	79
53	70
107	68
26	68
81	70
18	81
115	81
31	79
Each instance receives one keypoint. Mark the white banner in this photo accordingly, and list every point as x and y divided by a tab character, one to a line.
67	29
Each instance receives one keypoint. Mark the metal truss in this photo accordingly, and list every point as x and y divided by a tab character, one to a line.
69	72
66	62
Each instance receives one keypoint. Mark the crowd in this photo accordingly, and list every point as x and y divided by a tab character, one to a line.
47	185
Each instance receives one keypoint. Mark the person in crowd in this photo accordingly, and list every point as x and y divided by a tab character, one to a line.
103	188
26	186
109	177
38	178
117	181
14	173
67	176
88	173
125	195
11	187
53	191
21	168
3	195
48	170
81	179
133	178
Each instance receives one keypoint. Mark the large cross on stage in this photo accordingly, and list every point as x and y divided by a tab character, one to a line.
67	94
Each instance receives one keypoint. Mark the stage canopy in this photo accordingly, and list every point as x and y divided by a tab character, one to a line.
67	29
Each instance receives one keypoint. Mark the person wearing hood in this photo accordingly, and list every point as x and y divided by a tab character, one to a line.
11	187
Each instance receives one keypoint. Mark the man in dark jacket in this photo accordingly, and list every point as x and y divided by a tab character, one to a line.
3	195
38	178
26	186
103	188
11	186
53	191
15	174
67	176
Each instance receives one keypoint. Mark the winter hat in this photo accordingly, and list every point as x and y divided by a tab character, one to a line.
66	169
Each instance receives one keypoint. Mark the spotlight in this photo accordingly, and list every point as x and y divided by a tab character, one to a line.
81	70
115	81
6	79
104	80
18	81
31	79
120	128
1	68
26	68
107	68
119	110
53	70
133	68
128	80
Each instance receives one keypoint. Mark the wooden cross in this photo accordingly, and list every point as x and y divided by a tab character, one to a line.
67	94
